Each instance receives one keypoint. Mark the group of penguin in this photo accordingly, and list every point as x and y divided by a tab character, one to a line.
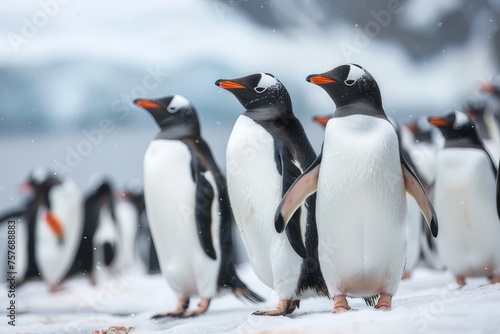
345	223
343	212
59	234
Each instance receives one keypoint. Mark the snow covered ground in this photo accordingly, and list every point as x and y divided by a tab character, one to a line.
427	303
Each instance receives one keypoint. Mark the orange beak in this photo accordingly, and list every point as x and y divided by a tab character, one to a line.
412	127
230	85
320	80
147	104
321	120
438	121
55	225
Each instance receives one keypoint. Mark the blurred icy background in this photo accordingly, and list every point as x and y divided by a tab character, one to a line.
69	69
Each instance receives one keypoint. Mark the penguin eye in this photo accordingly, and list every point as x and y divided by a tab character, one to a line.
172	109
350	82
260	89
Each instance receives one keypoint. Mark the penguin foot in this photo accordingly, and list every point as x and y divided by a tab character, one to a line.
495	279
460	281
284	307
406	275
182	306
55	288
340	304
384	303
202	308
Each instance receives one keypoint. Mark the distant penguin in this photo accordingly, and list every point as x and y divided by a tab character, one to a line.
465	201
267	150
99	239
54	226
360	179
486	123
131	211
188	209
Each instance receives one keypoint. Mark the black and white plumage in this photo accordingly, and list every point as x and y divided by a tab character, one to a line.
466	201
360	179
267	150
188	208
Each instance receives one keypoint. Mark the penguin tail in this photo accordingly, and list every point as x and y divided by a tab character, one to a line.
246	293
372	300
240	290
311	278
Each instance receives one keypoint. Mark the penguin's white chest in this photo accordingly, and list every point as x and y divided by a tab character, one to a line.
170	192
54	258
361	207
255	190
466	207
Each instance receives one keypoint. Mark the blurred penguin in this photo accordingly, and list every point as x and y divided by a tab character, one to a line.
53	216
466	202
100	238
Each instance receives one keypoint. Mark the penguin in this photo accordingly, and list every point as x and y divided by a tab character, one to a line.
131	213
359	178
188	209
465	201
54	227
413	216
99	239
486	124
267	150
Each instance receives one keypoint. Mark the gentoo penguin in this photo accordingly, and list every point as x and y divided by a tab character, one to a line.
188	208
267	150
413	215
360	179
54	226
486	124
99	239
465	201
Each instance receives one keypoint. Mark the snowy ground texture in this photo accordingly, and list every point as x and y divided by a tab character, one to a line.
427	303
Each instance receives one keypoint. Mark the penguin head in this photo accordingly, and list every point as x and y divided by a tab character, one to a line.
492	87
475	107
257	91
421	130
173	114
455	125
347	84
40	181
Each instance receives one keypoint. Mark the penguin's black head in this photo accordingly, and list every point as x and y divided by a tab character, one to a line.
261	90
40	181
475	107
455	125
421	129
174	115
347	84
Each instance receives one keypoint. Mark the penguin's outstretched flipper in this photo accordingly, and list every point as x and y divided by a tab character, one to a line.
303	187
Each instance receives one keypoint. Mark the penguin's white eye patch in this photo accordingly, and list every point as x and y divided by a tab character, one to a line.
177	103
260	89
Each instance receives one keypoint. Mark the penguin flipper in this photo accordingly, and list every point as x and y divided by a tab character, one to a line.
203	213
290	172
303	187
498	193
417	191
